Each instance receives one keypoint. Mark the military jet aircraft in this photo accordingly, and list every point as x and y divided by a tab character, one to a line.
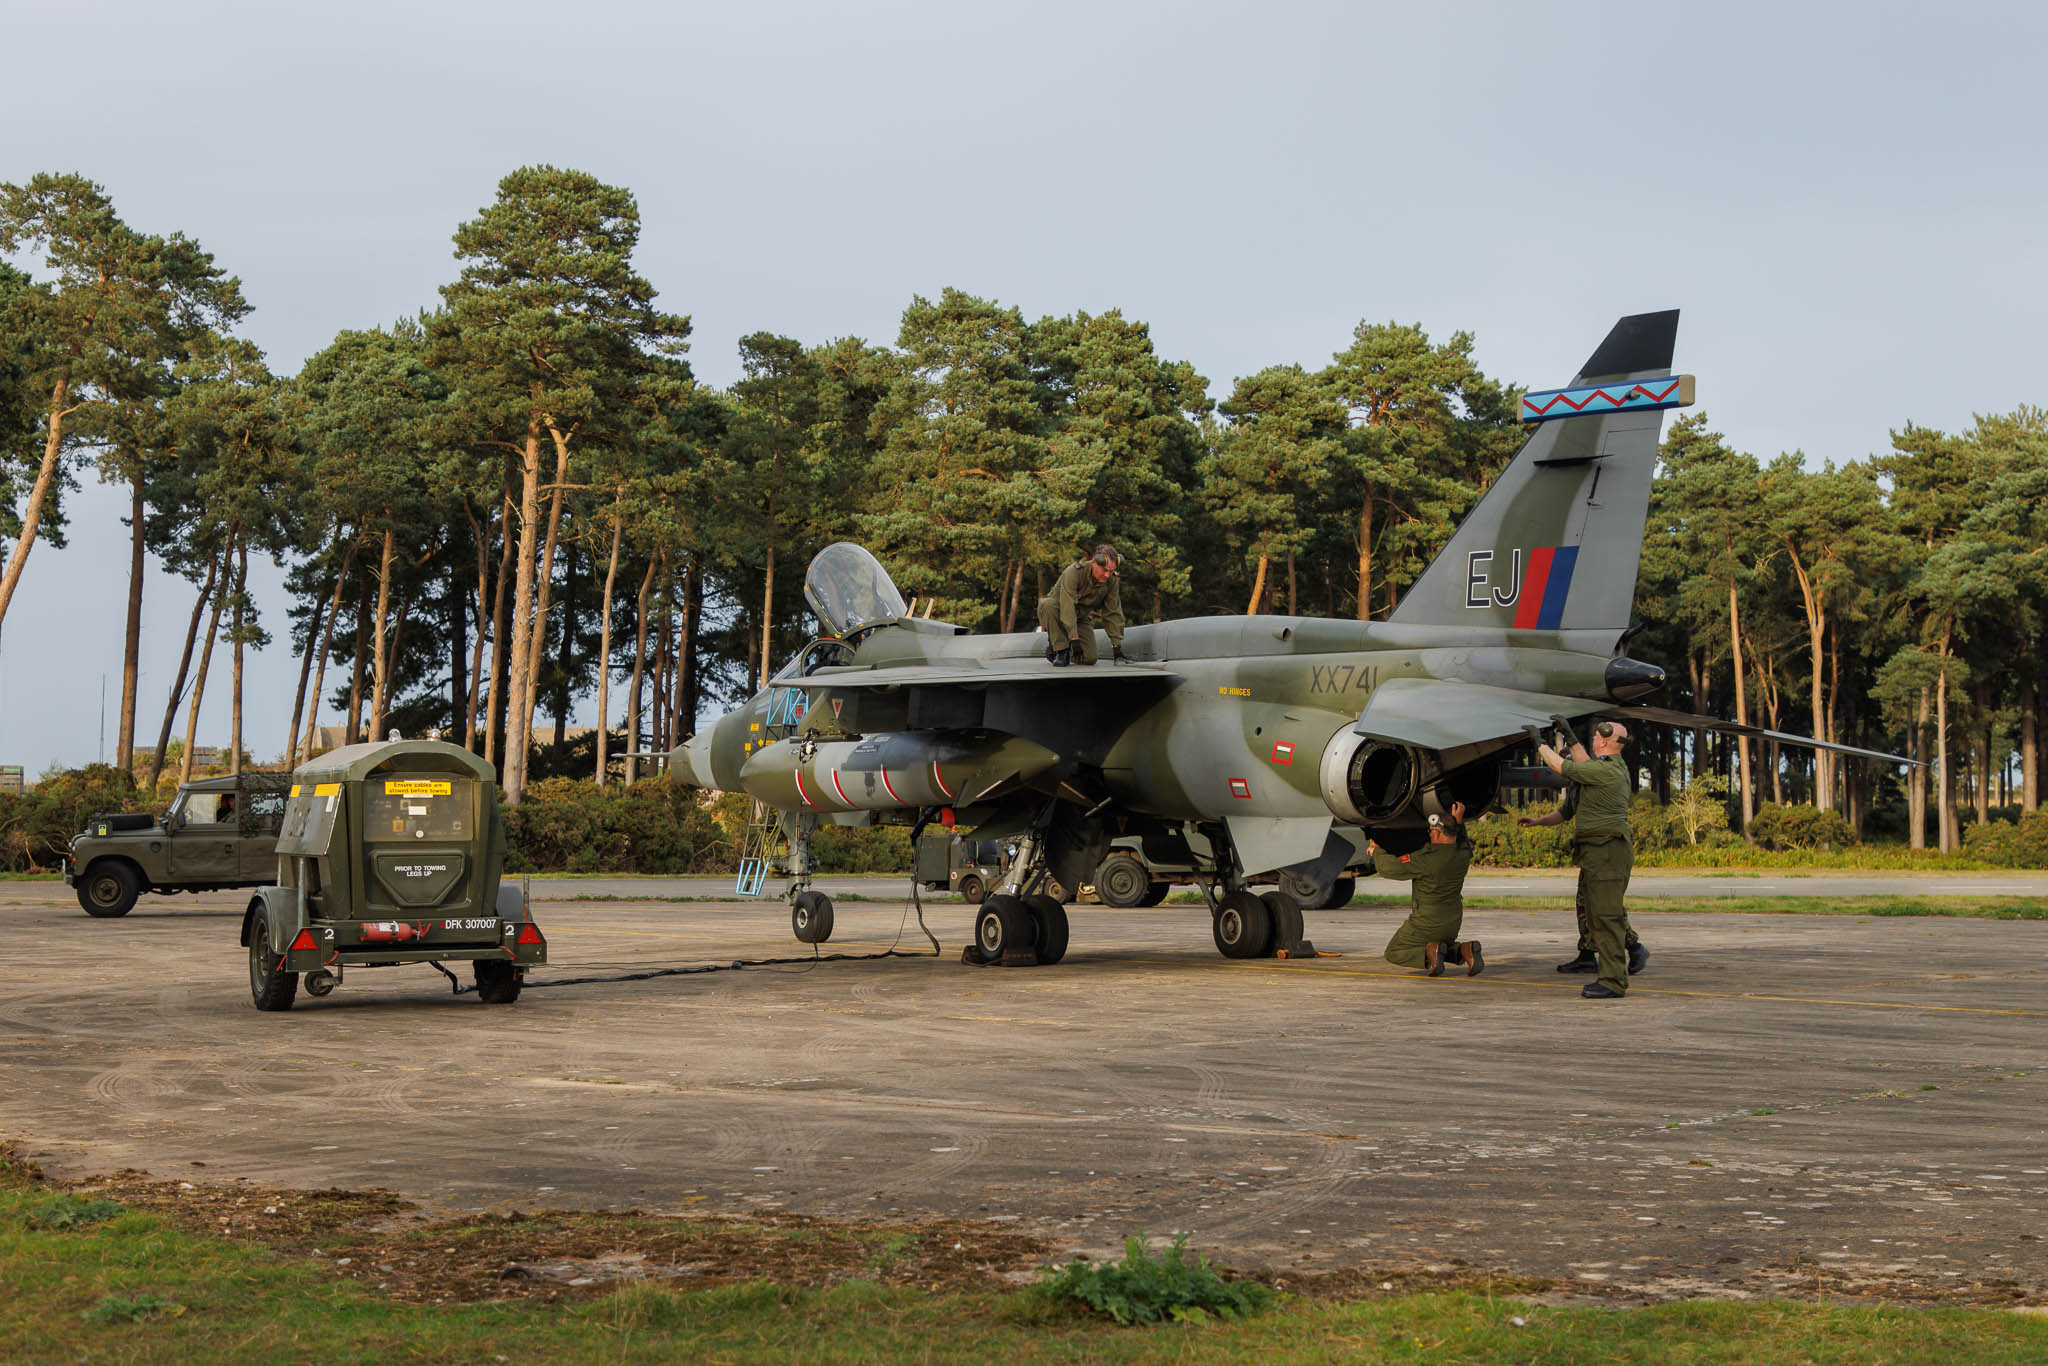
1260	749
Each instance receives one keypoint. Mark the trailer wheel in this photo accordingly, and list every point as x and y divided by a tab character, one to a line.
1121	880
1050	943
108	889
810	917
971	889
270	986
1243	926
1287	928
497	981
1005	926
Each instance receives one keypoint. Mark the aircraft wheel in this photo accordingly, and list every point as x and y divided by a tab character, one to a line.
497	982
1155	893
1243	926
810	917
971	889
1004	926
108	889
270	986
1051	940
1286	913
1121	880
1340	895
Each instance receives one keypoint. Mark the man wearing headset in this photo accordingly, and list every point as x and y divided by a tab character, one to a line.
1598	798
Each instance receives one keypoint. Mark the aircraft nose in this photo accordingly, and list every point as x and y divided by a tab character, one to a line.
1628	679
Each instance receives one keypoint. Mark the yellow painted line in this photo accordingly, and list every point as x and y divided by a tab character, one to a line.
1283	966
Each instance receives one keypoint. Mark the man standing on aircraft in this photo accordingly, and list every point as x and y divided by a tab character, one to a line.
1067	614
1428	938
1598	798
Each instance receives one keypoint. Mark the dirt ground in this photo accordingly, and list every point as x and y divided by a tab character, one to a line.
1784	1105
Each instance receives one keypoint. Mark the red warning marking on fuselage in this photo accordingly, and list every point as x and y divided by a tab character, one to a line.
938	778
837	788
1240	787
1283	752
887	788
802	791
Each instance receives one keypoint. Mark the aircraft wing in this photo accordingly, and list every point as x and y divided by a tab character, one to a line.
1443	713
1664	716
974	675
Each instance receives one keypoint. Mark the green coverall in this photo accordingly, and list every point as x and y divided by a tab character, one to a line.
1598	800
1438	896
1067	614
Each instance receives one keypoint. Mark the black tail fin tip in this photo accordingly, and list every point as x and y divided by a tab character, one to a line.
1638	343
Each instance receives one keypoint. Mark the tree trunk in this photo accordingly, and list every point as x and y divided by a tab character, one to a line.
32	511
519	703
768	610
660	729
1983	787
1695	665
1292	598
163	739
1916	778
353	732
539	592
326	641
199	681
1816	629
1258	588
686	652
381	651
483	628
639	669
2030	748
564	658
604	648
291	739
1945	797
382	725
501	654
1365	557
1741	713
131	652
235	725
459	689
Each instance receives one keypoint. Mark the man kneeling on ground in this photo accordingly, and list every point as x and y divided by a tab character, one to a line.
1428	938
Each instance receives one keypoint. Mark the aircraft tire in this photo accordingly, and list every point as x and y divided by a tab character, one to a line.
1051	940
810	917
1121	880
1155	894
1287	928
1243	927
971	889
1340	895
1004	926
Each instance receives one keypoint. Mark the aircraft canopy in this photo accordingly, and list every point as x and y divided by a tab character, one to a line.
848	589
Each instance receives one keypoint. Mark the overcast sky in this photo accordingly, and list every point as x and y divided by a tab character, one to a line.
1846	201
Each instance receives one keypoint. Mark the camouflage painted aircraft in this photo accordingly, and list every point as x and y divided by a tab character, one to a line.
1263	750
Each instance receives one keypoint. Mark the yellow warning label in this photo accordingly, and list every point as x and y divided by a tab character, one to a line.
416	787
327	789
295	789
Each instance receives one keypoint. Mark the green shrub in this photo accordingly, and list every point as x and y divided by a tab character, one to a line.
2020	844
133	1309
69	1211
1800	827
36	826
1147	1289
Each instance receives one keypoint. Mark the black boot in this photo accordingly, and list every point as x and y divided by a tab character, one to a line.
1638	958
1058	657
1587	961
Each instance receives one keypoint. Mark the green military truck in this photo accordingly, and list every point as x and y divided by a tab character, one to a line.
219	832
390	853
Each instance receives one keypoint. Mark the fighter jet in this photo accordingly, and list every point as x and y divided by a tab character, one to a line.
1263	750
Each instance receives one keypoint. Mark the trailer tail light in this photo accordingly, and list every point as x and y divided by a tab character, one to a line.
529	933
304	942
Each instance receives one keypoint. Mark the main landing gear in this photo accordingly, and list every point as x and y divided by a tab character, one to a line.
1245	923
1019	926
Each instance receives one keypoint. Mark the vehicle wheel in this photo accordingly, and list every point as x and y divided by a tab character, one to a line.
1051	940
1286	913
108	889
1155	893
810	917
1243	926
497	981
270	986
971	889
1005	925
1121	880
1340	895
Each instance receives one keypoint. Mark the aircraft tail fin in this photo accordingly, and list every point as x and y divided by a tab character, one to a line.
1554	544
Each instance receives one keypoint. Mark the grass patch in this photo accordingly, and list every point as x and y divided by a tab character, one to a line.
69	1211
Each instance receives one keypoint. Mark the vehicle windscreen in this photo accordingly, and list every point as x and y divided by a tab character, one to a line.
404	809
848	589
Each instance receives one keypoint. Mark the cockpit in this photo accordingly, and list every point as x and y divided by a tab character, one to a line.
850	591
